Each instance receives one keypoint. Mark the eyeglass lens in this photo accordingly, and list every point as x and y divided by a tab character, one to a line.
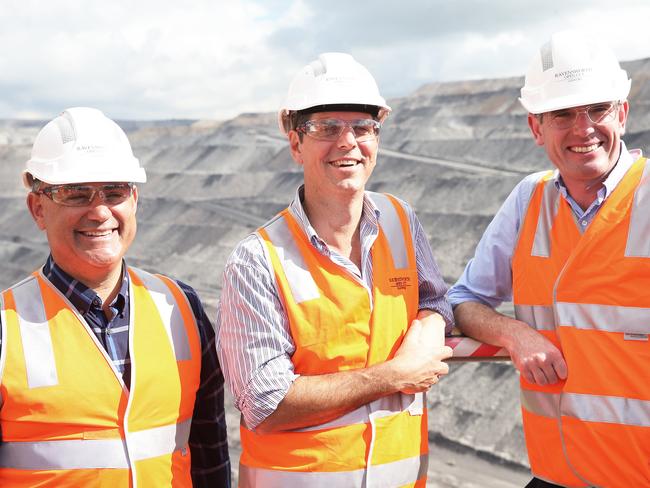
331	129
79	196
600	113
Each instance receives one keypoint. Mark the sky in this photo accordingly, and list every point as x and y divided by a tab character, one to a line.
215	59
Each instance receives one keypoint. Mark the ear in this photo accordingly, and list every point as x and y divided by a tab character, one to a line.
536	129
623	112
35	206
295	147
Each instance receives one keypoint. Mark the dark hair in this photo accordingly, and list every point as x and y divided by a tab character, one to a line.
36	184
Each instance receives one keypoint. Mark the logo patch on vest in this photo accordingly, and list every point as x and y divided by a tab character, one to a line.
628	336
400	282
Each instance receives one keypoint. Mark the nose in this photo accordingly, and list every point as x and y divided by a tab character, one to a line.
347	138
583	122
98	210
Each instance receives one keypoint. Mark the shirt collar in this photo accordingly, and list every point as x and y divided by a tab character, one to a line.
370	215
82	297
625	160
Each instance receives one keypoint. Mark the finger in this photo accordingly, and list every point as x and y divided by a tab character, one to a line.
442	369
561	368
549	373
528	376
443	352
539	376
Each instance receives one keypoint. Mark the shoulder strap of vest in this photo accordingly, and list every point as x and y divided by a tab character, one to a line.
638	244
28	304
280	247
396	227
167	303
542	190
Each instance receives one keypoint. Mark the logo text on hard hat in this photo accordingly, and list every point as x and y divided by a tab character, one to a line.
339	79
91	148
573	74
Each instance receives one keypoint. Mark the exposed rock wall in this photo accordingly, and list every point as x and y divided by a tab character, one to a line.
453	150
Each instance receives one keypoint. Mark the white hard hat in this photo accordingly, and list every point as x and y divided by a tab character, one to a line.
332	79
571	70
82	145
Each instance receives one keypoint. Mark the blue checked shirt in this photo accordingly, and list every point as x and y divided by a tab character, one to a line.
208	443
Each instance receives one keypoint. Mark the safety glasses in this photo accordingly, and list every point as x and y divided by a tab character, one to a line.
82	195
599	113
331	129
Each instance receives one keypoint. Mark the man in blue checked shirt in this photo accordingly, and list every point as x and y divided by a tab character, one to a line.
108	374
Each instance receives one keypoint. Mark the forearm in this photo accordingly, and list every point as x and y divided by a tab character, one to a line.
314	400
536	357
485	324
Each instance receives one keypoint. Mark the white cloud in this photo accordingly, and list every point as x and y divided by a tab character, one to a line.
215	59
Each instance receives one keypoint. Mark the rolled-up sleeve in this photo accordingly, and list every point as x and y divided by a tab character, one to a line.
432	287
253	339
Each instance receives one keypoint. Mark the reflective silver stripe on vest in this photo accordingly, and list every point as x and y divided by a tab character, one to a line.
398	473
608	409
638	241
547	213
540	403
170	313
94	453
540	317
302	284
35	334
382	407
392	227
159	441
588	408
608	318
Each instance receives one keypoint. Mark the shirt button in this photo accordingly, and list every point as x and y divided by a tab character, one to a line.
97	302
584	222
109	331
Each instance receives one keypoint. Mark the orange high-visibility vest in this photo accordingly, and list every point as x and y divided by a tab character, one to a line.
590	295
337	325
67	418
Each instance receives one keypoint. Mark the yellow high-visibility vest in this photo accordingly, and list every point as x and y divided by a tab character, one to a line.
67	418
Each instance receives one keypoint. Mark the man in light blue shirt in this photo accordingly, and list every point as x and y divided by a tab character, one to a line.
576	96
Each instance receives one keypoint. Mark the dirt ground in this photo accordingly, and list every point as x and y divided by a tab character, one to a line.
452	469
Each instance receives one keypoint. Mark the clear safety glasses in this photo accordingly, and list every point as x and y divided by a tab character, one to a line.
331	129
82	195
599	113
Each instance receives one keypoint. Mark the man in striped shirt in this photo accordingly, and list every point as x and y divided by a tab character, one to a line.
109	373
332	316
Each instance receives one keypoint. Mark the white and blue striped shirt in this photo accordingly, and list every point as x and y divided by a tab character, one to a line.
253	337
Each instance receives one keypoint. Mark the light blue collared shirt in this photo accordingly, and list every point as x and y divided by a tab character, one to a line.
488	275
